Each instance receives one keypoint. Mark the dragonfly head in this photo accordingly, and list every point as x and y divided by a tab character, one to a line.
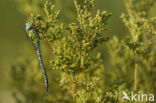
29	26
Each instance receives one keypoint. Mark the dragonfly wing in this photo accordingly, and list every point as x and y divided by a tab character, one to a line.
37	32
27	34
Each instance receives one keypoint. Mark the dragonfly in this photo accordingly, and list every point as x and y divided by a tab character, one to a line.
33	36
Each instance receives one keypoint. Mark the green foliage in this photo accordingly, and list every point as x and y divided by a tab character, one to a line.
76	69
27	76
136	52
139	7
73	45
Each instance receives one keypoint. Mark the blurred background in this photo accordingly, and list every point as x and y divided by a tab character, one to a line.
14	44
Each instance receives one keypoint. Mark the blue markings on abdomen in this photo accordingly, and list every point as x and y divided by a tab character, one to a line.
42	65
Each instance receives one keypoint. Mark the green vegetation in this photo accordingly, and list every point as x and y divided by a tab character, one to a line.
77	70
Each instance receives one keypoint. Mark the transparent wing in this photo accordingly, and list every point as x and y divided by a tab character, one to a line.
29	38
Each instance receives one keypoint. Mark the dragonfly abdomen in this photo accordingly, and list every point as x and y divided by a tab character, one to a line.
42	65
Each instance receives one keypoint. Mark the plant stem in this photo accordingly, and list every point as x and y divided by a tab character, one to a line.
135	76
74	91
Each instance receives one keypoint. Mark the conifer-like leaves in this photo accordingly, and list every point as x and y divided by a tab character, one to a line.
72	44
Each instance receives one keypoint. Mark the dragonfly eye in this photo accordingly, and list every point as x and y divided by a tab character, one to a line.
29	26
